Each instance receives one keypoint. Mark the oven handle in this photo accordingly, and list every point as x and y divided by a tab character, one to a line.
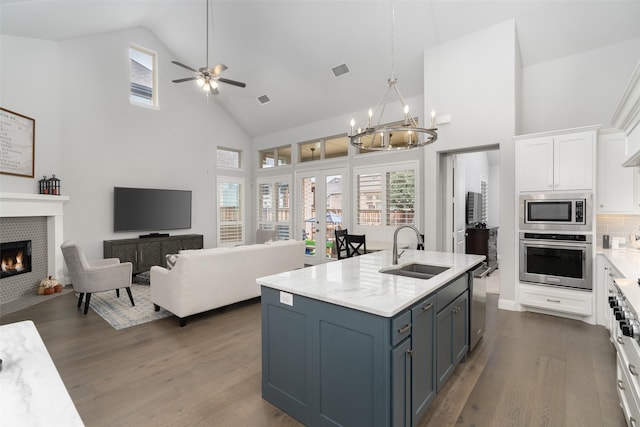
560	245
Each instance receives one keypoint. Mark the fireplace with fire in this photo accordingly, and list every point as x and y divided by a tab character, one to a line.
16	258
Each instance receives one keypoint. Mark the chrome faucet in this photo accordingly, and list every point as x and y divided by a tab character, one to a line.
395	241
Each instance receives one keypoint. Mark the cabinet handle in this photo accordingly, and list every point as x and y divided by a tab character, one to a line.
405	328
410	353
553	300
620	385
633	370
136	256
427	307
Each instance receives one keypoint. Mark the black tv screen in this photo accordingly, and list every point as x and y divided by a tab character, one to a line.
148	209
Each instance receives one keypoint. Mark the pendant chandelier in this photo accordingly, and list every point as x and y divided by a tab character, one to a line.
401	135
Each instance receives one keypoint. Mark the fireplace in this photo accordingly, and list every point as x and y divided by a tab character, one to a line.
15	258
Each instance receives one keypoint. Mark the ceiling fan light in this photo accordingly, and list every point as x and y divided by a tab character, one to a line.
200	82
206	86
213	84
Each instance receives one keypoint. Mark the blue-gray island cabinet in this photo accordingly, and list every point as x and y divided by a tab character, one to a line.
344	344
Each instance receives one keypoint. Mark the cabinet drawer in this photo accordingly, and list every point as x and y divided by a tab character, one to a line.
628	396
451	291
400	328
566	301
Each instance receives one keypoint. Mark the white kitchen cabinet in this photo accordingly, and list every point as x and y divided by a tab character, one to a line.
618	186
556	300
556	161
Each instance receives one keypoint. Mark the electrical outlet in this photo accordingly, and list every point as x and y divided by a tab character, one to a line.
286	298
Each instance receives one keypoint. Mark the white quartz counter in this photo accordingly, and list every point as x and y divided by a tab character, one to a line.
31	390
357	282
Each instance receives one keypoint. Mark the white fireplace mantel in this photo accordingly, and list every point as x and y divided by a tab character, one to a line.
23	205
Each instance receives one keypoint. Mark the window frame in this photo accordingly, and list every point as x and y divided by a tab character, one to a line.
221	180
321	144
230	150
383	169
275	150
154	78
273	182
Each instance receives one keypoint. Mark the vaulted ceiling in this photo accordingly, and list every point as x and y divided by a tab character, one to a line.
286	49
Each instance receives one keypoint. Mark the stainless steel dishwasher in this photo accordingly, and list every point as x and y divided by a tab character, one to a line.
478	305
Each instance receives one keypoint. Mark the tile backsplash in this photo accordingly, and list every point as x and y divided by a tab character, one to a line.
617	227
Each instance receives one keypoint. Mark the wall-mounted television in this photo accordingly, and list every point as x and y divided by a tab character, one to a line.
150	209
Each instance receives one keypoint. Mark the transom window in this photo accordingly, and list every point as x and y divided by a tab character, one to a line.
274	157
228	158
143	76
324	148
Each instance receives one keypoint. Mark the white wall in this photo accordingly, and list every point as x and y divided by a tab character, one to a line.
474	80
578	90
104	141
29	85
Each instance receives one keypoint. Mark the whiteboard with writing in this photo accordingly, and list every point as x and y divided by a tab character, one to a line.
17	140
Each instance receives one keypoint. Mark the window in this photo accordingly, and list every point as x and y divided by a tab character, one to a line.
273	206
230	205
484	190
228	158
324	148
274	157
386	198
143	76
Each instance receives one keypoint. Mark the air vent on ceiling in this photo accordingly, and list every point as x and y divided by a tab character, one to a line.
263	99
340	70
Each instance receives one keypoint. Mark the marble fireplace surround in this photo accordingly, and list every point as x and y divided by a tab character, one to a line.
51	207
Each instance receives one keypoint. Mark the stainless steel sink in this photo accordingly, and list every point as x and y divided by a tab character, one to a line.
419	271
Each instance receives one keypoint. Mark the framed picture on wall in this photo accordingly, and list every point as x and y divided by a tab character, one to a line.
17	144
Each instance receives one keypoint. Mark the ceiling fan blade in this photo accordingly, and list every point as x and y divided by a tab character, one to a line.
218	68
231	82
184	66
213	91
186	79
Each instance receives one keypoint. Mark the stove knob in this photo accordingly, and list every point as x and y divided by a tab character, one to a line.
613	301
618	313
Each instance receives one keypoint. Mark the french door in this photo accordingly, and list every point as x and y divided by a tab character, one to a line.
320	211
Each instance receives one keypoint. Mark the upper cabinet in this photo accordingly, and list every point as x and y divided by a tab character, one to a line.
556	161
618	189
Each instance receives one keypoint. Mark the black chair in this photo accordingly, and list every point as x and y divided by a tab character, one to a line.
421	245
356	244
341	244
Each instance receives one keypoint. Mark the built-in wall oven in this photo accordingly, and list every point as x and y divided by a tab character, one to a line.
556	259
556	211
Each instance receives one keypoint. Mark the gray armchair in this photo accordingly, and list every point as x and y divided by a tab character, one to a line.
101	275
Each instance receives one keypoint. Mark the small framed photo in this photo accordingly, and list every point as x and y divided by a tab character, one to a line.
17	144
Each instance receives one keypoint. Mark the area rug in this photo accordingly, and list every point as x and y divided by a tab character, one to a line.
119	313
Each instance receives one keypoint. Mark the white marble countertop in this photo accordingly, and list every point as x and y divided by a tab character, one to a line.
31	390
357	282
626	260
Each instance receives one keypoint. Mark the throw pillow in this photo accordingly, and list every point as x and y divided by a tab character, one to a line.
171	260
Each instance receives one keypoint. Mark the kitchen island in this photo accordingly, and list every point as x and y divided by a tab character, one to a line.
346	344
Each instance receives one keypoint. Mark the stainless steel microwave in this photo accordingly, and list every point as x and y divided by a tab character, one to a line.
551	211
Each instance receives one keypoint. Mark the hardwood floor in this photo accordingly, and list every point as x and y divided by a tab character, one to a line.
529	369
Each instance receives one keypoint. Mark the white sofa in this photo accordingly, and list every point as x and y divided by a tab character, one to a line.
204	279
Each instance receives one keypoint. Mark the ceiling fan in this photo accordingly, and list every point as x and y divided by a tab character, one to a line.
206	77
